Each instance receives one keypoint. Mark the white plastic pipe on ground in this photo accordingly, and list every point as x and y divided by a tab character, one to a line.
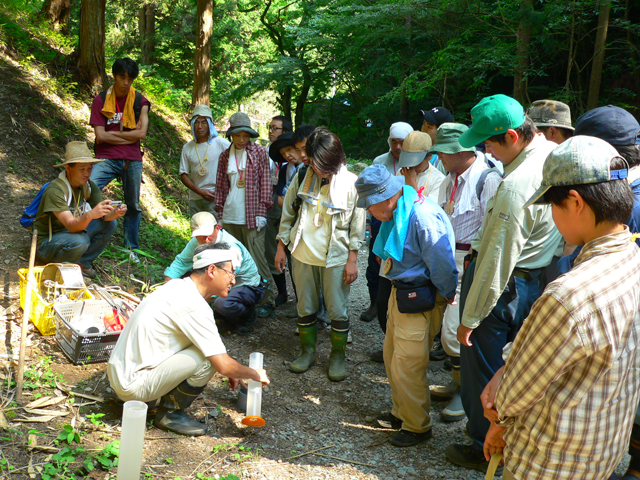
134	419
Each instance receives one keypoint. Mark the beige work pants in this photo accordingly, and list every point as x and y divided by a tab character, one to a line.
406	349
188	364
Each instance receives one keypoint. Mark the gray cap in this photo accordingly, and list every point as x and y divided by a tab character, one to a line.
550	113
375	184
447	137
579	160
240	122
202	111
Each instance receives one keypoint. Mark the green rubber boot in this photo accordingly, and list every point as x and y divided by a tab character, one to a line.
337	371
308	338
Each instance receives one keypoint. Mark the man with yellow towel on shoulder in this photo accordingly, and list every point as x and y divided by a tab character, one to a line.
119	117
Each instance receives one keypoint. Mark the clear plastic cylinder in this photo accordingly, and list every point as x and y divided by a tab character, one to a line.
254	394
134	419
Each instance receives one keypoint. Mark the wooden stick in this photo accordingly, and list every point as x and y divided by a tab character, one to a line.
27	314
307	453
344	460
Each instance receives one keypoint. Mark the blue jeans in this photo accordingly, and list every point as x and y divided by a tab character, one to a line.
480	361
239	305
81	247
102	175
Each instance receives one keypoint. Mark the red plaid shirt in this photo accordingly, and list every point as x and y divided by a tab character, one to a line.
258	189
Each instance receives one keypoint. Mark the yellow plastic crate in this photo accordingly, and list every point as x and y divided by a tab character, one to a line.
42	313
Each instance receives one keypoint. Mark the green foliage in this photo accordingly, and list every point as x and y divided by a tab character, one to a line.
69	435
40	375
60	467
107	458
94	418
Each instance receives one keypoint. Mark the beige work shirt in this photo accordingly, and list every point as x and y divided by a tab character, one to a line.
511	236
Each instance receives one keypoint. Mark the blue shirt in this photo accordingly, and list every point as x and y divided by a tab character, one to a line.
246	274
428	250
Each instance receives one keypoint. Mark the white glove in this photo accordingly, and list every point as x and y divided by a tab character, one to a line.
261	222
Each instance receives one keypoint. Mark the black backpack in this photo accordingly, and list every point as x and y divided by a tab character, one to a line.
137	103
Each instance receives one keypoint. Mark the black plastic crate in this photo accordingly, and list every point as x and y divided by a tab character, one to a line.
84	347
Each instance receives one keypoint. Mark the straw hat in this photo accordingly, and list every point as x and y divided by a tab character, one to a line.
78	152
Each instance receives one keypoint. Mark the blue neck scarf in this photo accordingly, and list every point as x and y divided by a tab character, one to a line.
393	234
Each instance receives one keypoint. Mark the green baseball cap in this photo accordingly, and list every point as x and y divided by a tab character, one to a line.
447	137
493	115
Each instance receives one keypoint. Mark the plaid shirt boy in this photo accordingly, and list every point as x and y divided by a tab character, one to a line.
571	386
259	189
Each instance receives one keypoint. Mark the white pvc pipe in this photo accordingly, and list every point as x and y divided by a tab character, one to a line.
254	394
134	419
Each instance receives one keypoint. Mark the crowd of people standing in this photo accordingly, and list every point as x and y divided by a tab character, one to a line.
505	246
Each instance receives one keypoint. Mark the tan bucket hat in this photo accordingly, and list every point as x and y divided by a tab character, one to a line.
78	152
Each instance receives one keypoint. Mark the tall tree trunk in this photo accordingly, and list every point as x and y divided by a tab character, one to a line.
302	99
567	83
147	29
404	60
202	60
91	61
523	40
285	100
598	55
58	13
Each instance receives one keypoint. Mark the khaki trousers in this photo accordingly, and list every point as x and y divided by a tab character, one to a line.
188	364
253	240
451	318
406	349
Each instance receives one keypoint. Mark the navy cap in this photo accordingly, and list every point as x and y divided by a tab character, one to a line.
611	124
284	140
375	184
437	115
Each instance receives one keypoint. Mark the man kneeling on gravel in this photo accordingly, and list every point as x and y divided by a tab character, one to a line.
416	244
170	348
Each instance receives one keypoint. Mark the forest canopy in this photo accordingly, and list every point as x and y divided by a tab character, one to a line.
356	66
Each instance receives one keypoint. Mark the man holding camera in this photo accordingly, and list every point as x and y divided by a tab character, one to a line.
74	223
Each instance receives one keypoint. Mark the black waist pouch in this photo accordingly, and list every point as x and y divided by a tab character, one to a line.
414	298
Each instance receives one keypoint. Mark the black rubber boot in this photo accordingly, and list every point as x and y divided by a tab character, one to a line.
171	414
281	283
372	312
308	339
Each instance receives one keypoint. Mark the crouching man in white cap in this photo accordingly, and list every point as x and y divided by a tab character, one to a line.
416	244
170	348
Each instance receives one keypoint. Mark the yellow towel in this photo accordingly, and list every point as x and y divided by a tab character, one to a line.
128	116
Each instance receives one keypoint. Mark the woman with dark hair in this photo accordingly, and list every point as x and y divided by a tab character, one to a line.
324	235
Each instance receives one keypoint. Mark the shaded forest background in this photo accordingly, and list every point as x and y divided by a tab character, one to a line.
355	66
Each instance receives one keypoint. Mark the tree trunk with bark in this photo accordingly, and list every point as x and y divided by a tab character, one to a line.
598	55
202	60
91	62
147	29
58	13
302	99
523	40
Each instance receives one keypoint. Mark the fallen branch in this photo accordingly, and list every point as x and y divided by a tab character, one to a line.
344	460
81	395
311	451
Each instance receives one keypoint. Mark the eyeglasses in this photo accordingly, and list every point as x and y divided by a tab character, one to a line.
273	129
232	275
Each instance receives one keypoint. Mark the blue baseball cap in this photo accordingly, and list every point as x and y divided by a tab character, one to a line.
611	124
375	184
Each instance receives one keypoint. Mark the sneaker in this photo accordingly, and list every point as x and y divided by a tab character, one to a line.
466	456
389	420
405	438
454	412
437	353
133	257
265	310
89	272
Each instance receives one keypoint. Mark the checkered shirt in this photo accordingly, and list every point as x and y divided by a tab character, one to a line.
571	383
259	189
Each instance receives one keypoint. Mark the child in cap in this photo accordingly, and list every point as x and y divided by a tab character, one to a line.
565	400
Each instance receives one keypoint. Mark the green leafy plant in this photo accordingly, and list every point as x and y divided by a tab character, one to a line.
68	434
108	457
60	466
40	375
94	418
